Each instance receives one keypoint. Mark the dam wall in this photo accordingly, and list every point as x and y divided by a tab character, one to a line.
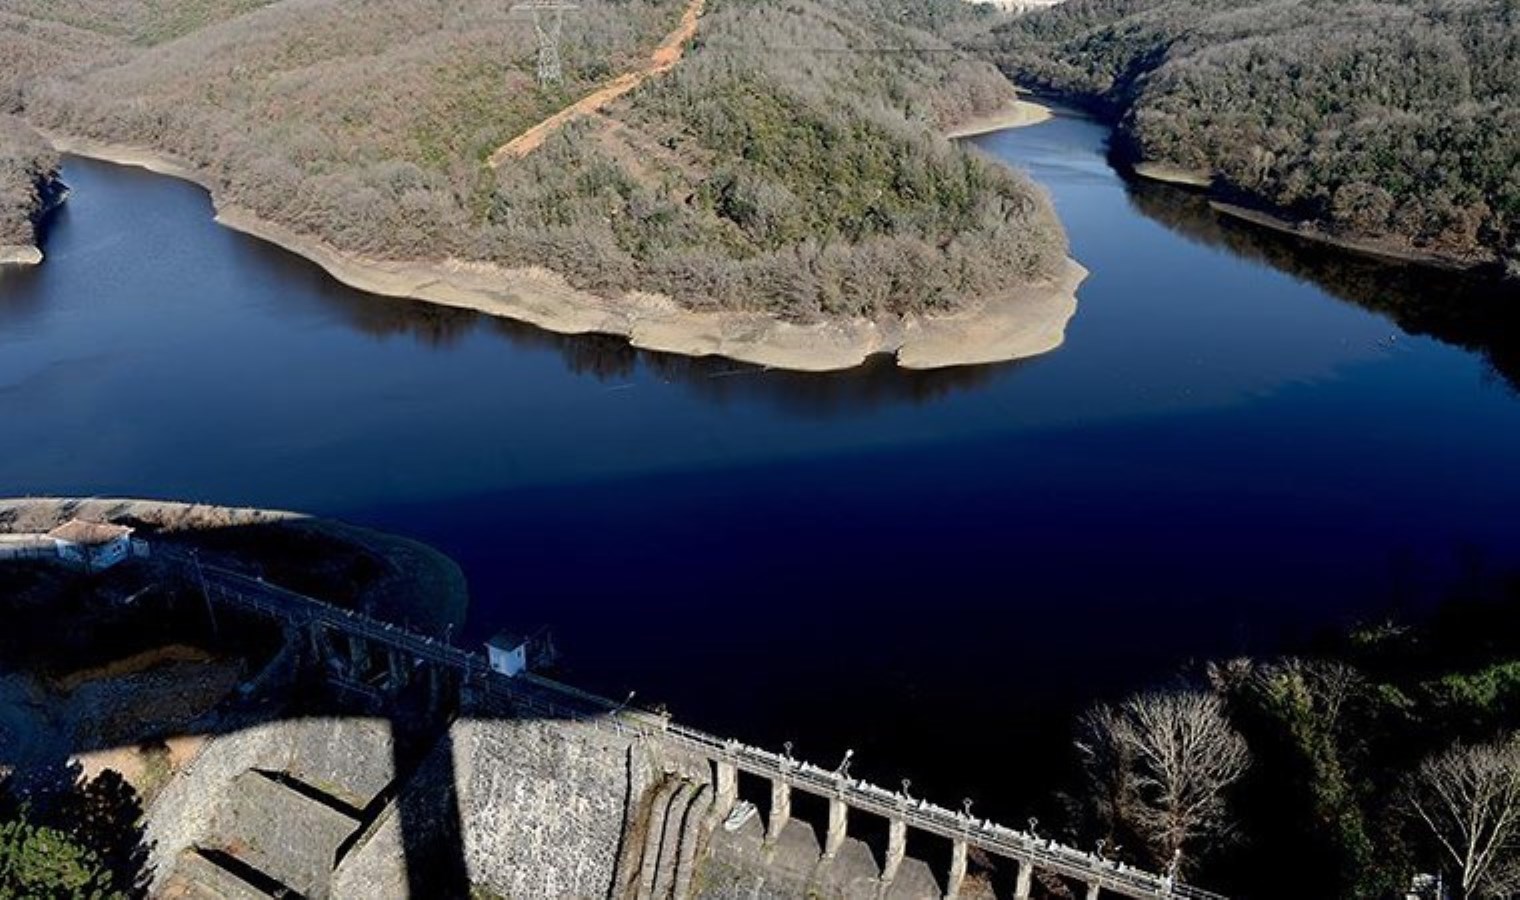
435	775
541	810
545	808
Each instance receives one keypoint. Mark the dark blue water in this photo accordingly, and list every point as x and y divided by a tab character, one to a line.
1228	455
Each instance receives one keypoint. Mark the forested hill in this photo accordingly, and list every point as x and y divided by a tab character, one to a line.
1397	121
28	183
781	166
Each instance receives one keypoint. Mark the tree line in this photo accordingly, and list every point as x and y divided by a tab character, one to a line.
1393	120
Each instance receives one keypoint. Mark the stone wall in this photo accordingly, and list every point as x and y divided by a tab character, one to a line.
348	759
184	810
543	806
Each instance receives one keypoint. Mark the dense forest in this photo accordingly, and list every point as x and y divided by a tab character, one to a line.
1375	760
1393	122
783	166
28	182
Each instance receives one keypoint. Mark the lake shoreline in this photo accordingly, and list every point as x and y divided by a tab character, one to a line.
1021	113
25	255
1023	322
1363	246
1173	175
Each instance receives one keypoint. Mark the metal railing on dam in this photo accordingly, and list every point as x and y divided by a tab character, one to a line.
538	696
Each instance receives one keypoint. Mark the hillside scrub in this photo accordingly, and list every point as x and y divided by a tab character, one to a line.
798	184
28	182
1392	121
753	176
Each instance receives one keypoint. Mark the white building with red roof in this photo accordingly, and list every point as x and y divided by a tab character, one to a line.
92	546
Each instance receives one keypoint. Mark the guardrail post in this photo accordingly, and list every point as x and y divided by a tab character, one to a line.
1024	882
957	870
838	827
897	849
781	810
727	788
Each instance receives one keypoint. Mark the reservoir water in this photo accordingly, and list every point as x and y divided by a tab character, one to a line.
1237	448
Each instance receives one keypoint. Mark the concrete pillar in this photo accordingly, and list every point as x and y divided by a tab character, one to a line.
395	668
897	849
314	635
1092	891
727	789
957	870
359	651
838	827
781	810
1022	886
434	677
469	692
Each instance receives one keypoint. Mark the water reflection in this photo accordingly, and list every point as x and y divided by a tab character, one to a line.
1471	311
22	302
611	360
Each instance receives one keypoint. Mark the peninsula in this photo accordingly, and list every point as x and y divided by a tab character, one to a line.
29	189
699	181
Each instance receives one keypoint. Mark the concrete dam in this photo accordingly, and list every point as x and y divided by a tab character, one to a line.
426	773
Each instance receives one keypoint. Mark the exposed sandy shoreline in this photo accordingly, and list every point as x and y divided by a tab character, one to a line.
1019	114
1169	174
1028	321
16	255
1367	246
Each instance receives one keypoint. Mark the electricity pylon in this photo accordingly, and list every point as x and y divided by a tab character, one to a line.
548	23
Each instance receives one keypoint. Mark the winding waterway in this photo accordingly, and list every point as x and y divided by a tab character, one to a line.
1233	451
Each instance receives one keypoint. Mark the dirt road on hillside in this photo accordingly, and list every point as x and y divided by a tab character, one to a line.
664	59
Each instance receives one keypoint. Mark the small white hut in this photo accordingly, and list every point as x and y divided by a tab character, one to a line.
508	654
92	546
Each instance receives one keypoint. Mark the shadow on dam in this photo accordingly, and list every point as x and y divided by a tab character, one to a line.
326	742
70	700
50	783
339	754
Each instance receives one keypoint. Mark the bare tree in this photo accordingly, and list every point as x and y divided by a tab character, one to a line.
1163	761
1331	686
1469	799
